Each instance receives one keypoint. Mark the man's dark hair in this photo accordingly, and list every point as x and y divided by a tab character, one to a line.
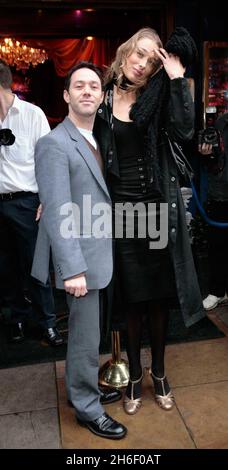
6	78
82	65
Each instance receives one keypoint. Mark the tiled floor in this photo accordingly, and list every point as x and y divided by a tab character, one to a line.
31	417
28	408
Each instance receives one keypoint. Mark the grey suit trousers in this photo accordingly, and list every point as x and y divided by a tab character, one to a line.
82	362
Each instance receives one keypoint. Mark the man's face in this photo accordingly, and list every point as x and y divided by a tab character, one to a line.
85	93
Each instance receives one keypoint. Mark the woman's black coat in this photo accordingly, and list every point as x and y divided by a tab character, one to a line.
180	127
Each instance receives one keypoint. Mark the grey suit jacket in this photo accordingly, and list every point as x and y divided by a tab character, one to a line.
68	174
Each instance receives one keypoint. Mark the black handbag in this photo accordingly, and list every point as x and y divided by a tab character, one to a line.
180	159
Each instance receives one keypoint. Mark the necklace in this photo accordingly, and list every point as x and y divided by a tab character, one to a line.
124	85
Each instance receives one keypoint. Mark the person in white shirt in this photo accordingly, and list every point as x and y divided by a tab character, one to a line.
20	211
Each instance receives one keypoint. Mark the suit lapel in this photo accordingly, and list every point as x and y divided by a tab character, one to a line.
84	150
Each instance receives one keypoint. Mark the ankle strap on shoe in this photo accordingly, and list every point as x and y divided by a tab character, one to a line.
136	381
160	379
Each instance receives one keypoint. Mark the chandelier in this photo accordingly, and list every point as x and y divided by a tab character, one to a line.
20	55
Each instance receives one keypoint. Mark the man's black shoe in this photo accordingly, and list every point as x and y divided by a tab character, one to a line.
109	395
105	426
53	337
16	333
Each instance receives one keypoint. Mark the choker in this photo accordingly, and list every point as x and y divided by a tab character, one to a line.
124	85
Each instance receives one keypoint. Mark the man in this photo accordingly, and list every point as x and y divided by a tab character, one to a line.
218	211
69	173
21	125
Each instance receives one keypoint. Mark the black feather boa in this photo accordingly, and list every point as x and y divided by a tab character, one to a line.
153	97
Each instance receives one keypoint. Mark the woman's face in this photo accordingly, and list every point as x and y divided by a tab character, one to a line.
140	63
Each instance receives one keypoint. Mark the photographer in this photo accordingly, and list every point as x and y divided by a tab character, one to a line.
215	154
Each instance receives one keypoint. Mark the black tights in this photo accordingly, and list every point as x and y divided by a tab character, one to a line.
158	315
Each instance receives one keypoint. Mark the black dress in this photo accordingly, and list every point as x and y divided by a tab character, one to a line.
141	273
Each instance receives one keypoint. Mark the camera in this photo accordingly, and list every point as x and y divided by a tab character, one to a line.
210	136
6	137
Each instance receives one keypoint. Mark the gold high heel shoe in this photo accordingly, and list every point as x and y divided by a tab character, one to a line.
132	405
165	401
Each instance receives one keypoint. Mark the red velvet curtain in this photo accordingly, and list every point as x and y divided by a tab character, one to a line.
65	53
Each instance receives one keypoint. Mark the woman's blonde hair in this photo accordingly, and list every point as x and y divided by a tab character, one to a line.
125	50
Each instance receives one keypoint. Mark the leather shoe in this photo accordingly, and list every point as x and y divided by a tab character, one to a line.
106	396
109	395
105	426
16	334
53	337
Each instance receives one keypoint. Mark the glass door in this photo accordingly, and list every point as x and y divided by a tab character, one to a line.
215	88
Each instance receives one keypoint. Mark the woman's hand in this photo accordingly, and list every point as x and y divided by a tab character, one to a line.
171	64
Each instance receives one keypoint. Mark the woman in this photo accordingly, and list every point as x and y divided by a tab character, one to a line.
147	96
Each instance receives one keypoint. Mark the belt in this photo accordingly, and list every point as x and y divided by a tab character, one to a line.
10	196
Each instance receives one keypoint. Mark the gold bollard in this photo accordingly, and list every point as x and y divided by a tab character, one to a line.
115	371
